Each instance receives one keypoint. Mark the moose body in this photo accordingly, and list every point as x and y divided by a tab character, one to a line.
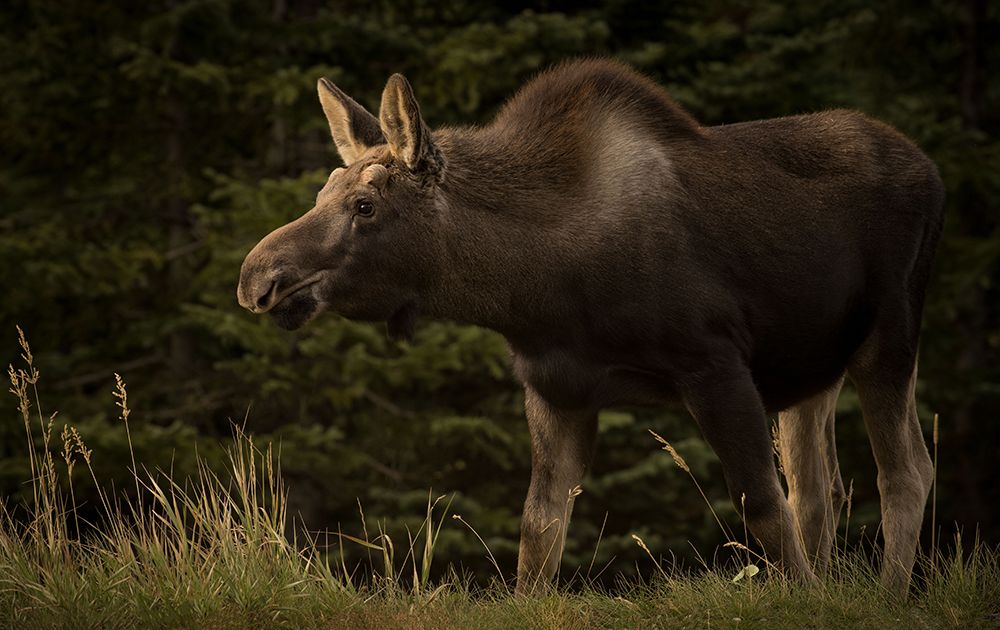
632	256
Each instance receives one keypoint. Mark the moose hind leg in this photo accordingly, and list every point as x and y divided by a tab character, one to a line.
732	418
885	376
561	449
809	460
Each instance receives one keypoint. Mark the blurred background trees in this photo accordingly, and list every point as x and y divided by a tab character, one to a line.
147	146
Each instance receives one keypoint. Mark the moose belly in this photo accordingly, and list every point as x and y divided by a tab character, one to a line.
789	368
781	387
794	353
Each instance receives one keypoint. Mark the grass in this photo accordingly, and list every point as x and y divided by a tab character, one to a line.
214	553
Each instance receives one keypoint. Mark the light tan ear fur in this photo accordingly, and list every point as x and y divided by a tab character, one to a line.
408	136
353	128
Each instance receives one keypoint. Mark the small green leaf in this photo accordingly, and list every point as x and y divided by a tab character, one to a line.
748	571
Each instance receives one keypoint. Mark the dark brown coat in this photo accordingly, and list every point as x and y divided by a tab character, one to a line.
630	255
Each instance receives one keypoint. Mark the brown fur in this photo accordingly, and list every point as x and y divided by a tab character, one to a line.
630	255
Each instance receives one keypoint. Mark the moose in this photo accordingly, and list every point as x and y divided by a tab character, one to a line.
630	255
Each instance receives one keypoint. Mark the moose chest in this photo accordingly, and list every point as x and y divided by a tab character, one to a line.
573	379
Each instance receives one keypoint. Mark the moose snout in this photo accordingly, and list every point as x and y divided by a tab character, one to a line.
258	290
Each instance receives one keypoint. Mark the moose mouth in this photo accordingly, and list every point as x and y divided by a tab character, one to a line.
295	309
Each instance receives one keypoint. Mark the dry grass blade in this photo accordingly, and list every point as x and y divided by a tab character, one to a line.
642	545
458	517
682	464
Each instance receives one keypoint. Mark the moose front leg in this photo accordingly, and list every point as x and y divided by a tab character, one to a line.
562	443
732	418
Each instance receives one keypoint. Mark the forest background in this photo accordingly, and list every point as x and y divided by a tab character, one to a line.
147	146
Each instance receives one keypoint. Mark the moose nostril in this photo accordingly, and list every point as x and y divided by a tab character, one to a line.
265	298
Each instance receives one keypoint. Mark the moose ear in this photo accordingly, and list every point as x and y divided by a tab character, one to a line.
408	137
354	129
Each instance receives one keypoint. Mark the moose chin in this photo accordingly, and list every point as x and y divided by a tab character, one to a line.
630	255
295	311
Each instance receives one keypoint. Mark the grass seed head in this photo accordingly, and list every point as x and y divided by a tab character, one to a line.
776	445
641	543
122	395
68	452
668	447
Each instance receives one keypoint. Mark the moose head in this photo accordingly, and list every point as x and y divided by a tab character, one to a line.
366	250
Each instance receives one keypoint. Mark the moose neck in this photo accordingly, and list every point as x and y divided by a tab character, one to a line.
497	200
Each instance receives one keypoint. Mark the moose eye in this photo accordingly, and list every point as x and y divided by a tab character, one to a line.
365	208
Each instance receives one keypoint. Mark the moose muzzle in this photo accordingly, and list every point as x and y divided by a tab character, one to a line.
258	292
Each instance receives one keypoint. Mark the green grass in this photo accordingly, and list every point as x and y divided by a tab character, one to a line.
214	553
